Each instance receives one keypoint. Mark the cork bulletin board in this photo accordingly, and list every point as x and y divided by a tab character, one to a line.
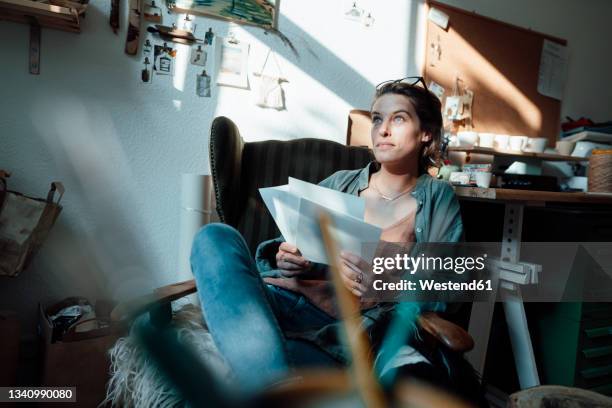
500	63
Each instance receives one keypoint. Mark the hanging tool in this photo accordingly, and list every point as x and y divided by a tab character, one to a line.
114	16
133	31
174	34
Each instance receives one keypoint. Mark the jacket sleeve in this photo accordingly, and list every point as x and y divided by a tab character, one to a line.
446	224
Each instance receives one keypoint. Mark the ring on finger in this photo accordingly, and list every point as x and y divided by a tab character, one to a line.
359	278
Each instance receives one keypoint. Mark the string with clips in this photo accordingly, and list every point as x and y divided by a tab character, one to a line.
260	73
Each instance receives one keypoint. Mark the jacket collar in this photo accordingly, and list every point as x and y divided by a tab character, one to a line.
363	180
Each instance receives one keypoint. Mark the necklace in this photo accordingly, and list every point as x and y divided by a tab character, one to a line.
387	198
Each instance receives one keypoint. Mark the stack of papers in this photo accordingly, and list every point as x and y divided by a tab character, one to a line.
296	208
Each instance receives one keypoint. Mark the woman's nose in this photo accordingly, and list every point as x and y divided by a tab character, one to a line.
383	129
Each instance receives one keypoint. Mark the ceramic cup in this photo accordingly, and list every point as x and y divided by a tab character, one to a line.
486	140
517	143
565	147
483	179
535	144
467	138
501	142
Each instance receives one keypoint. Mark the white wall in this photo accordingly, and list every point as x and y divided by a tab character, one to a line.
120	145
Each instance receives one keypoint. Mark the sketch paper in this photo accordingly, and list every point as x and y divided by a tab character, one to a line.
350	233
334	200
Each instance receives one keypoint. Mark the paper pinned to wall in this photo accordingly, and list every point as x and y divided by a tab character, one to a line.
553	69
438	17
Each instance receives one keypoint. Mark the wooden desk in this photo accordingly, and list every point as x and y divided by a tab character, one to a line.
514	202
531	197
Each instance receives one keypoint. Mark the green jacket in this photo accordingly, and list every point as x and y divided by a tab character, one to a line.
437	219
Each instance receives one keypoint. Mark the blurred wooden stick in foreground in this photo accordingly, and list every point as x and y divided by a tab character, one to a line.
350	313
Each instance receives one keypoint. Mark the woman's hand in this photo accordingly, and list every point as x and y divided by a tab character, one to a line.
355	273
290	261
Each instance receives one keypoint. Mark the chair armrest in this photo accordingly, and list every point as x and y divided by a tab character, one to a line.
447	333
161	296
452	336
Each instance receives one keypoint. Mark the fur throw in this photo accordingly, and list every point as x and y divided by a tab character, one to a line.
136	382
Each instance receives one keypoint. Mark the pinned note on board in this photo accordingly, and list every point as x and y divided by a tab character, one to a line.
553	69
438	17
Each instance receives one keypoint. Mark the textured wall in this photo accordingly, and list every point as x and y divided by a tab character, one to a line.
120	146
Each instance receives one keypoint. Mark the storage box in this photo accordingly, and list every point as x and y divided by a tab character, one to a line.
79	359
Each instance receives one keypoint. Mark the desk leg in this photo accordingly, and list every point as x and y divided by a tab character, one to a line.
522	349
482	312
480	329
516	320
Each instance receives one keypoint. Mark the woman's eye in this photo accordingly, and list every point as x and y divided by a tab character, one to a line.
398	119
376	120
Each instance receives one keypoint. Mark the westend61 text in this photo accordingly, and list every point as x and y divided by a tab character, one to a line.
429	284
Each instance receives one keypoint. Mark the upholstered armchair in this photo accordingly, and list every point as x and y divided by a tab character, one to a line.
239	169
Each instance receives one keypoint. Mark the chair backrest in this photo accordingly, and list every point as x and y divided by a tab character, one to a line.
239	169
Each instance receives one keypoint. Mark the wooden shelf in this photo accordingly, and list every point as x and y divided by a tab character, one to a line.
517	155
58	14
530	196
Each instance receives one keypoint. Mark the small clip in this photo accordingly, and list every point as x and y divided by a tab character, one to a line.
231	38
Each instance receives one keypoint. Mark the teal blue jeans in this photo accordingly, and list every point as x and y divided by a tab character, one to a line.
247	318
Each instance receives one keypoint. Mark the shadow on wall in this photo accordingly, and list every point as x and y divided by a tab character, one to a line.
96	248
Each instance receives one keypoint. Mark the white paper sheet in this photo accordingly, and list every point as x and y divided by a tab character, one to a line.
350	233
553	69
283	206
334	200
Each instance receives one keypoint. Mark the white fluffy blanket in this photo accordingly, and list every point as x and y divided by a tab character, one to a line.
136	382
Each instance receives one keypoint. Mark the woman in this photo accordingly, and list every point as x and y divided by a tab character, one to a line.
264	327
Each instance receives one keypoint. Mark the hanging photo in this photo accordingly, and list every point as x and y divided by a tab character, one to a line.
164	60
233	69
198	56
208	36
146	74
203	85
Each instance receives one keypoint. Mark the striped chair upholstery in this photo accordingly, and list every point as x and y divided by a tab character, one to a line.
239	169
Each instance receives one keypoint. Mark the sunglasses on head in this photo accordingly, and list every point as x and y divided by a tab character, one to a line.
411	80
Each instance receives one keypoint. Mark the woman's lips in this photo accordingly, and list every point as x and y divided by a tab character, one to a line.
384	146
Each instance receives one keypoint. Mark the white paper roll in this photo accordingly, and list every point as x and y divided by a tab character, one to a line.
196	209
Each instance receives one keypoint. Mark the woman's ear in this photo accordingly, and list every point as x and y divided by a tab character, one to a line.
425	137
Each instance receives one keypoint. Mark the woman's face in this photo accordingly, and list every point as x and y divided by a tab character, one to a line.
396	130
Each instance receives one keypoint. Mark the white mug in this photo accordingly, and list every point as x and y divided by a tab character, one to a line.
517	143
565	147
501	142
486	139
483	179
467	138
535	144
